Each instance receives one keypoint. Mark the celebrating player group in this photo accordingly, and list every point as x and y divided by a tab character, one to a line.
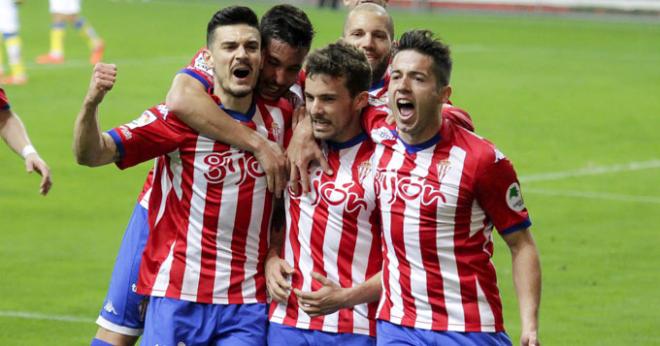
331	197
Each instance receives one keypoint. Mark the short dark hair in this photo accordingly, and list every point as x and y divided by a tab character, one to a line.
288	24
341	60
232	15
423	41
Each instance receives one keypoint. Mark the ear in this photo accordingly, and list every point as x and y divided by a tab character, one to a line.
444	94
360	101
208	59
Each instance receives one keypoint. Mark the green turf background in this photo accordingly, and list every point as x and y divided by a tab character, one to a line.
555	94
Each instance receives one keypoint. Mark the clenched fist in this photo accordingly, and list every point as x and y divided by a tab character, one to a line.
103	79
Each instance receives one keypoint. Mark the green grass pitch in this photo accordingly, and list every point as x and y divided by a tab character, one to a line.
571	95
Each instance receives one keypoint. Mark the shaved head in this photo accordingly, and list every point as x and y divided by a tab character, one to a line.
353	3
374	10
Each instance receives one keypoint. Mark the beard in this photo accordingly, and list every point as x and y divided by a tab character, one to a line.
378	72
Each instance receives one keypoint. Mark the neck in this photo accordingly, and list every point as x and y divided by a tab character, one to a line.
236	103
426	131
350	131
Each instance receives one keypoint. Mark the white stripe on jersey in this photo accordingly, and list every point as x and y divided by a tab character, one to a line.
485	313
190	284
396	310
445	242
163	277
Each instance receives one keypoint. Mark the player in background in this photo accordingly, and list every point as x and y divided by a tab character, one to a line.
9	28
287	34
203	264
14	134
68	11
332	241
371	28
121	319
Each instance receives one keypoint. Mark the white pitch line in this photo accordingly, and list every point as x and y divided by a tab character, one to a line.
40	316
596	195
597	170
80	63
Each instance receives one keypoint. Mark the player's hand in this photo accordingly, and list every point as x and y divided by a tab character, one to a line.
328	299
298	117
103	79
278	272
302	151
390	119
274	163
529	338
34	163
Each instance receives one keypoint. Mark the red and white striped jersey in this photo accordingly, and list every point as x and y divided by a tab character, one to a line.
378	90
143	197
334	230
209	210
200	70
439	201
4	102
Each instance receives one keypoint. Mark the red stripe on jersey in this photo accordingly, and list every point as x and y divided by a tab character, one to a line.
465	251
316	241
428	237
397	223
385	313
296	278
179	262
212	205
347	244
238	242
260	277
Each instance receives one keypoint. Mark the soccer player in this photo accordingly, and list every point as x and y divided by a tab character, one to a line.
9	28
332	239
63	11
14	134
371	28
287	33
203	263
439	282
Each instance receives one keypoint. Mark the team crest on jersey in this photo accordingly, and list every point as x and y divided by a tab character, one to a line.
443	168
514	197
364	170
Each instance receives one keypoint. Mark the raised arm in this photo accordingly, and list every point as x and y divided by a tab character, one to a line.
14	134
188	99
91	146
527	280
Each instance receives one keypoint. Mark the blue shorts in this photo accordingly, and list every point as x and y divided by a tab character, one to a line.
392	334
123	309
283	335
179	322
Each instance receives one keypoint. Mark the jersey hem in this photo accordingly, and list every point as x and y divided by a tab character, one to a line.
464	328
306	326
193	299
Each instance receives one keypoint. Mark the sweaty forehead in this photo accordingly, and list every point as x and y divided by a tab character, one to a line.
411	61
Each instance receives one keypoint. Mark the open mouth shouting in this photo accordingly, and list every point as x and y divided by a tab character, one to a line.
241	72
406	109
